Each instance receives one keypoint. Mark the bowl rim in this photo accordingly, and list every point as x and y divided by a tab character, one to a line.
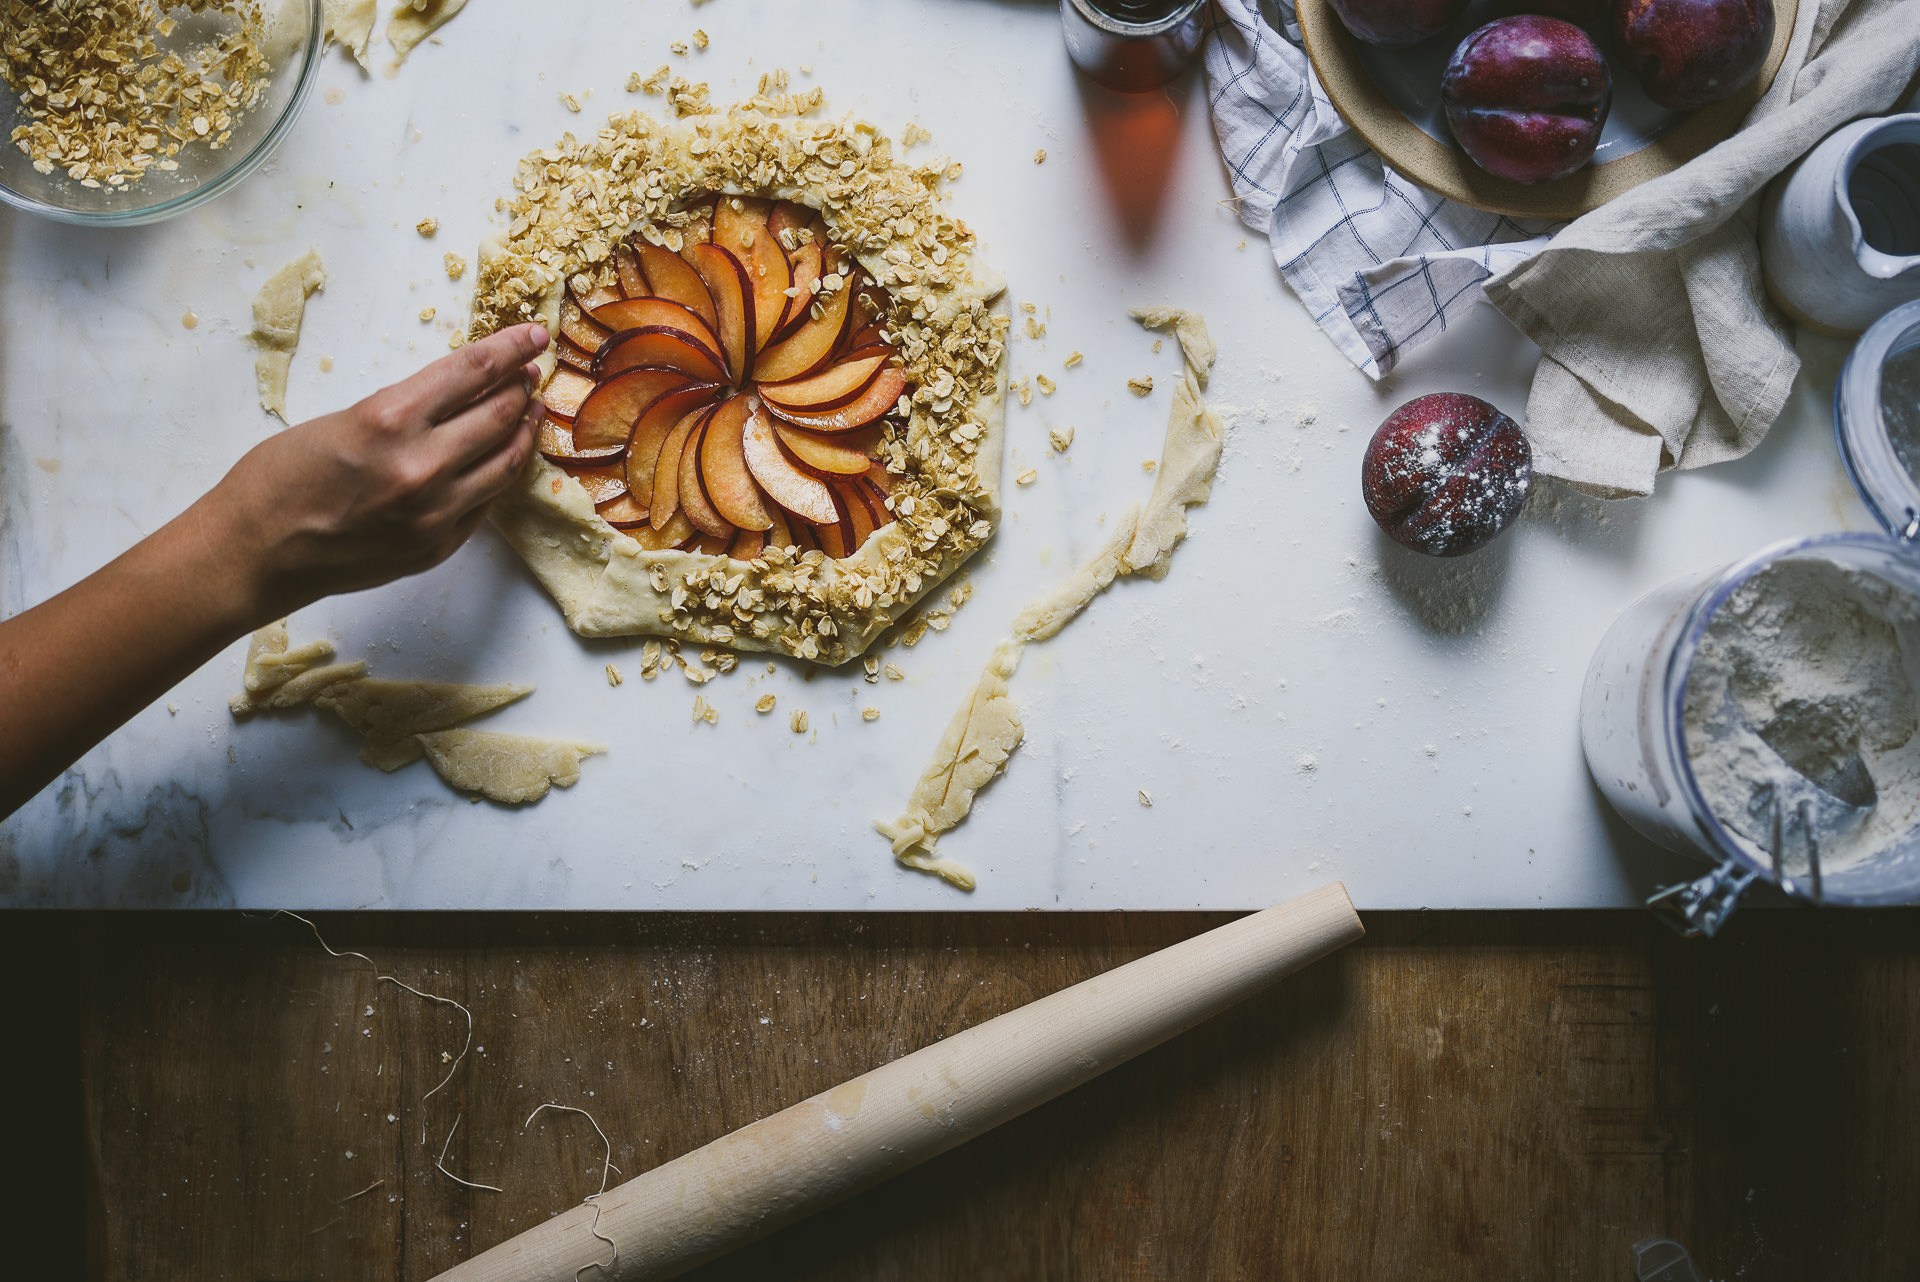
1434	165
220	183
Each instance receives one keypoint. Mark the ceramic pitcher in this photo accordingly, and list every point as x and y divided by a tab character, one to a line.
1840	235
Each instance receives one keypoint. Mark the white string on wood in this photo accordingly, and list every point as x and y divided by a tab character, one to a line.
349	1197
440	1163
605	1170
381	976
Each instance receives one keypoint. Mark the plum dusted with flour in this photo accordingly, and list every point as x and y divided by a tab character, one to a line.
1445	473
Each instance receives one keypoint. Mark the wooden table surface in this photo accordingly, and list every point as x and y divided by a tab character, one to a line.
1460	1095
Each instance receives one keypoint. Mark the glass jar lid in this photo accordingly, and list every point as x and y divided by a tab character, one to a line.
1876	416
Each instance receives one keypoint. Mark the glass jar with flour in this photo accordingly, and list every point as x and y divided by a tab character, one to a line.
1767	715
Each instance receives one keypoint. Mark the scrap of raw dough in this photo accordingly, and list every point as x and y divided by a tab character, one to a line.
975	748
1042	618
413	23
1190	328
405	720
277	311
1188	461
271	665
983	735
351	23
309	684
391	714
510	768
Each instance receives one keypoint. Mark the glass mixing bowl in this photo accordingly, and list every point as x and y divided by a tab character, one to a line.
293	46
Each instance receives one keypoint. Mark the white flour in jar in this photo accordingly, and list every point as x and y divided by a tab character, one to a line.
1805	665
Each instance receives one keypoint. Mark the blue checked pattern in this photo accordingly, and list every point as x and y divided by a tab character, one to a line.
1382	265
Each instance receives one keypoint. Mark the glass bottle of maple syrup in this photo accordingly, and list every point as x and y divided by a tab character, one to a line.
1132	45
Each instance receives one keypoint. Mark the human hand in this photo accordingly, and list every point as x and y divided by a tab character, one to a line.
386	488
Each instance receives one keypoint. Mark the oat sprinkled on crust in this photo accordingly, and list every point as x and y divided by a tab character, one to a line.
576	200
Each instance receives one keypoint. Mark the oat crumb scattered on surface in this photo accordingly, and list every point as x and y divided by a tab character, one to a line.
456	266
699	38
1073	358
1027	477
427	226
1040	156
1035	329
427	313
678	48
1061	437
687	99
913	135
765	703
1028	308
798	722
569	101
1141	386
613	675
634	82
1157	343
1242	244
1045	384
894	673
704	711
1146	799
1149	465
190	320
326	364
869	713
1024	389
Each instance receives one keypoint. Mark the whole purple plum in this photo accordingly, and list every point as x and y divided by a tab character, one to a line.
1397	22
1445	473
1689	53
1526	97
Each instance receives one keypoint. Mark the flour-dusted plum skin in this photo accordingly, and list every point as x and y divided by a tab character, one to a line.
1397	22
1690	53
1526	97
1445	473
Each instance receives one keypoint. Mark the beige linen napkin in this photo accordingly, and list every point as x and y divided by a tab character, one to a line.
1660	349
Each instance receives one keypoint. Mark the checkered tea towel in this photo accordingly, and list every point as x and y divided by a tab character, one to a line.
1659	347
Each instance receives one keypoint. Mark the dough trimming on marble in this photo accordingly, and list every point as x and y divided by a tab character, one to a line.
393	714
402	721
351	23
415	20
986	730
511	768
278	310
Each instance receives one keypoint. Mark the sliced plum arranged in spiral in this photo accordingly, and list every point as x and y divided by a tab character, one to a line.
732	396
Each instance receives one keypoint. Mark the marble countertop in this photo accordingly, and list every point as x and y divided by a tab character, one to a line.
1301	699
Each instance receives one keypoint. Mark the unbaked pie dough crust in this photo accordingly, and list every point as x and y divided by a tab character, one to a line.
576	200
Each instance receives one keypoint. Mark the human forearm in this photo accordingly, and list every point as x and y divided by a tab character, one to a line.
73	668
345	502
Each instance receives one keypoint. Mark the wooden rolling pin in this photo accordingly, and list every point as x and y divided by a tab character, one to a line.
766	1175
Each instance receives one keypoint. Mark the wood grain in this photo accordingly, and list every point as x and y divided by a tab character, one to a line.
1515	1095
